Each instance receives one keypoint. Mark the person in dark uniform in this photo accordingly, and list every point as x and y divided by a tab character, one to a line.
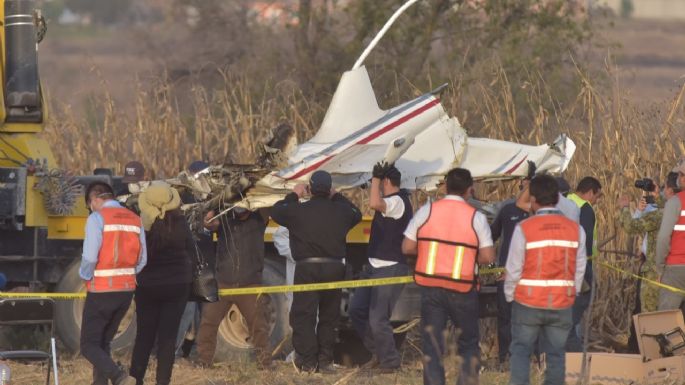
318	230
503	227
371	307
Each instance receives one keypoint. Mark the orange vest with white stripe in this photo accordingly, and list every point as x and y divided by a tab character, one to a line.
447	247
676	256
119	253
549	270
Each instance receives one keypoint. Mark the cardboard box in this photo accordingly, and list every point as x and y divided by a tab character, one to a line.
670	370
609	368
605	368
573	367
655	323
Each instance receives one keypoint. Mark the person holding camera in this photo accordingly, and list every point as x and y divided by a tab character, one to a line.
646	220
670	246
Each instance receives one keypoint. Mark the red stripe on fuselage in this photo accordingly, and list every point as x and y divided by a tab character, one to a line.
371	136
509	171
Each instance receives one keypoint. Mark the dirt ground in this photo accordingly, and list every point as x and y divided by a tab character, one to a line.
78	372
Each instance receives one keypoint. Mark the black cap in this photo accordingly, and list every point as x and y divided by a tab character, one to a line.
320	182
197	166
133	172
564	187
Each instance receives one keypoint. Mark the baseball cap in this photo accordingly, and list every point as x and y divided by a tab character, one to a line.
133	172
320	182
680	166
197	166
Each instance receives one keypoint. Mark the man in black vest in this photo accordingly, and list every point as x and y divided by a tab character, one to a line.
371	307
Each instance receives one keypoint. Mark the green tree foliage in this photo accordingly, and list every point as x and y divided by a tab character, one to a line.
433	42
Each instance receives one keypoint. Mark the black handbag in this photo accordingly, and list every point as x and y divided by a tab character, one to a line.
205	287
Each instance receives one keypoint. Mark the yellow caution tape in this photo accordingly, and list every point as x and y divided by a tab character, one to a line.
645	279
266	289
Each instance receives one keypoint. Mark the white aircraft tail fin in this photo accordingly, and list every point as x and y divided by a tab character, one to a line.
354	105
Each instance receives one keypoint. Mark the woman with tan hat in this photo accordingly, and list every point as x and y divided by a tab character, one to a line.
164	284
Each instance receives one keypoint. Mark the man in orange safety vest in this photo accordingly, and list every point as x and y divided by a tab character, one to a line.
450	238
544	273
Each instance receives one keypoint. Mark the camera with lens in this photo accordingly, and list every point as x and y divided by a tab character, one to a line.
646	185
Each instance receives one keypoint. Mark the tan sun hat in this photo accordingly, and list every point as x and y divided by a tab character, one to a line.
155	201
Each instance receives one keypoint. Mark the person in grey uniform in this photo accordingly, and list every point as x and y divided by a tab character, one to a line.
670	246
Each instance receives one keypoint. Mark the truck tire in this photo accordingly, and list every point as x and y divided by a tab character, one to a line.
232	344
68	315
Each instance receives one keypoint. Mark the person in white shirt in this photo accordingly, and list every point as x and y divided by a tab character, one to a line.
371	307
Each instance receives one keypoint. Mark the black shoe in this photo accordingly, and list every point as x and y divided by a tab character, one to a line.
371	364
327	369
303	369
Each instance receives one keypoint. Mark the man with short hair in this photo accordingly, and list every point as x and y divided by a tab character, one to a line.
450	238
587	194
670	246
114	251
318	229
371	307
544	272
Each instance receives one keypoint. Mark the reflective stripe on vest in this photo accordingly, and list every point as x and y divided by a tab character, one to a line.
551	242
447	247
114	272
546	282
676	256
580	202
548	273
124	228
119	252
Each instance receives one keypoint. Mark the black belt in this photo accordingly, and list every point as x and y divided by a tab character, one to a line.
320	260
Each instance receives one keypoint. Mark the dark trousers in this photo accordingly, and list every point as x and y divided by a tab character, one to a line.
370	311
574	343
437	306
314	342
503	324
254	308
632	339
158	315
551	327
102	314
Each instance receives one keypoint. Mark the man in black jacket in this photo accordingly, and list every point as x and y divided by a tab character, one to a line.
318	230
239	263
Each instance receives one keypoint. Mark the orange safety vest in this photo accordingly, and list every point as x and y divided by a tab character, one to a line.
119	252
549	270
447	247
676	256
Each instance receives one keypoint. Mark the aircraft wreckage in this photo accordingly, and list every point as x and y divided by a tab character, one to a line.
418	136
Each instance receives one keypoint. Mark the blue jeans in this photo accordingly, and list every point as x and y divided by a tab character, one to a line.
437	306
370	311
527	324
575	342
190	317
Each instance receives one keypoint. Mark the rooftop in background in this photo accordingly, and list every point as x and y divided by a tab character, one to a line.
646	9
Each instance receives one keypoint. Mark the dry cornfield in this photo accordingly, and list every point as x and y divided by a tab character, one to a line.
617	142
